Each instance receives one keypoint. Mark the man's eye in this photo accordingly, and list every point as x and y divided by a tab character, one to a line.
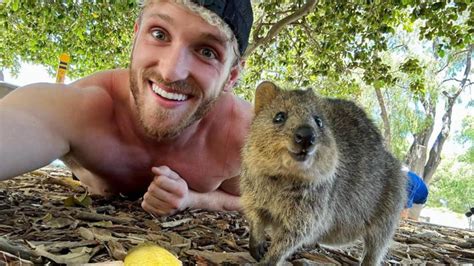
208	53
159	35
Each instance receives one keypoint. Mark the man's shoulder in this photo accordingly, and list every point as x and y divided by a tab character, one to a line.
110	80
236	109
235	114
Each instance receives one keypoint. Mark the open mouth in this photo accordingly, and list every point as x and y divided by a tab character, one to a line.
171	96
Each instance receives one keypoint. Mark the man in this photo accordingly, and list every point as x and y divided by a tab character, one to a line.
168	129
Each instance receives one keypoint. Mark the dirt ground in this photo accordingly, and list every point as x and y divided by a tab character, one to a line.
46	218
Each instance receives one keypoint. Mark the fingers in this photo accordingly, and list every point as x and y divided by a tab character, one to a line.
167	190
176	187
158	200
166	194
166	171
157	207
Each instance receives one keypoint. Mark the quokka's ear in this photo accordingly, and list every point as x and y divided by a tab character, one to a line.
265	93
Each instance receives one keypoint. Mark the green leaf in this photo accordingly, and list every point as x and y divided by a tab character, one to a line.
15	5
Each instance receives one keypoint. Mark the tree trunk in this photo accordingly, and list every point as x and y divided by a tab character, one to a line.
416	156
386	122
435	152
417	153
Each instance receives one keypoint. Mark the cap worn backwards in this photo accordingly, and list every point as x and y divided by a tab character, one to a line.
236	13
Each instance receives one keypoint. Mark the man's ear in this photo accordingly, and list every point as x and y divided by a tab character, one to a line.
233	76
265	93
136	27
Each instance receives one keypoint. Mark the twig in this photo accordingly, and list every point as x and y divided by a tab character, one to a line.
20	251
57	246
66	182
89	216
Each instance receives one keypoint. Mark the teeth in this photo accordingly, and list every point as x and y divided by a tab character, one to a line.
168	95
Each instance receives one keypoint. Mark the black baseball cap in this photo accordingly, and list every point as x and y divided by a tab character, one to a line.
236	13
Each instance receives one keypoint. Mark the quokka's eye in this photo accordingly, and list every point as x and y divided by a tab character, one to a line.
318	121
279	118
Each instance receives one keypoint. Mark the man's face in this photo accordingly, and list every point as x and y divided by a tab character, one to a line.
180	65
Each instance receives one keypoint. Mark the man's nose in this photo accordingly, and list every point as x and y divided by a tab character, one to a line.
174	64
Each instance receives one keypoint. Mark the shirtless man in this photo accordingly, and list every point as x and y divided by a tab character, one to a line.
168	129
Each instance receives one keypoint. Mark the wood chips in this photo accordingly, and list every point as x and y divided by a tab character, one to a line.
46	217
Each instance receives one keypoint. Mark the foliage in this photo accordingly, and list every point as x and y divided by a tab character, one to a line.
324	47
316	49
97	34
414	89
453	183
466	136
339	38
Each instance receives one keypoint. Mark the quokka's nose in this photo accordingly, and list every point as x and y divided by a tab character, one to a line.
304	137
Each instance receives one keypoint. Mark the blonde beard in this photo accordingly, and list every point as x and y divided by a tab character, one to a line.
158	133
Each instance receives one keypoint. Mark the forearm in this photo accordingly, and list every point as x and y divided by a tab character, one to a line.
25	144
216	201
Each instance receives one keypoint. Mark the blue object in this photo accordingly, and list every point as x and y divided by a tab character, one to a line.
417	190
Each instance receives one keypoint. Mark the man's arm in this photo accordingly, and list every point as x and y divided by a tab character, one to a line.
28	137
218	200
37	123
169	193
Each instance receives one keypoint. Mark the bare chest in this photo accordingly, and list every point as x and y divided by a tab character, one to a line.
110	163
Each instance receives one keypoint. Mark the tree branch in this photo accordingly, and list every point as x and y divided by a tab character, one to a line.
398	46
386	122
446	80
277	27
449	60
435	153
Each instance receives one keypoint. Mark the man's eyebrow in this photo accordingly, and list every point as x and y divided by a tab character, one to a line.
218	38
214	38
162	16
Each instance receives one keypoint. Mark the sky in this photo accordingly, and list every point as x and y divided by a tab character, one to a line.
30	73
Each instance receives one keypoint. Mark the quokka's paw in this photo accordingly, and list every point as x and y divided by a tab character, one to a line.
257	250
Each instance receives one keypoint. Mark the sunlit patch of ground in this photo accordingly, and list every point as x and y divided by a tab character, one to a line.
443	216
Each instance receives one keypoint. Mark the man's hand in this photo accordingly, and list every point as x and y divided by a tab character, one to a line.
167	194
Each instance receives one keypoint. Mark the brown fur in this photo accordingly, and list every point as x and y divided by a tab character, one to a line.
330	183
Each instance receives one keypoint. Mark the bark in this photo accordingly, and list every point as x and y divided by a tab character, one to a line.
435	152
277	27
416	156
418	163
386	122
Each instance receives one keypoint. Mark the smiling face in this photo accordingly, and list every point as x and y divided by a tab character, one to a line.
290	136
180	65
